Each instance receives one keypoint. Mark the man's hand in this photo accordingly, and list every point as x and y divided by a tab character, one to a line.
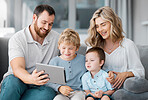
65	90
38	77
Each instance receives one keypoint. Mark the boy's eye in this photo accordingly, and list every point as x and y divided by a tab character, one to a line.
71	48
86	60
91	60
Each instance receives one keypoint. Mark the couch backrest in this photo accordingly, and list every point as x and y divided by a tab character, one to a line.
3	56
143	51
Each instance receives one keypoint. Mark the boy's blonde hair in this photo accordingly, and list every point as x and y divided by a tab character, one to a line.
70	36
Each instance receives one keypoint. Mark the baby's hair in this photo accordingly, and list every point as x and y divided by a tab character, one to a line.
99	51
69	36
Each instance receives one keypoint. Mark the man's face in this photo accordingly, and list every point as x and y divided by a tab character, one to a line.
43	24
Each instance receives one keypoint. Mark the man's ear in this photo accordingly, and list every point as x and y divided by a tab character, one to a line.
101	62
34	17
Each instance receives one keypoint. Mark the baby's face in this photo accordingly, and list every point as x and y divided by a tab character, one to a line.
93	62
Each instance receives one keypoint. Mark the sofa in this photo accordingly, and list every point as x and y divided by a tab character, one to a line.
121	94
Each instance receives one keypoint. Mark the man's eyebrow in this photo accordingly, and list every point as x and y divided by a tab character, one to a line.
44	21
47	21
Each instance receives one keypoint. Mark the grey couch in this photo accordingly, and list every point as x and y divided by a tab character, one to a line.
121	94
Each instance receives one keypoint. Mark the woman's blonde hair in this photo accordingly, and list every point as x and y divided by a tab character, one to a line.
106	13
70	36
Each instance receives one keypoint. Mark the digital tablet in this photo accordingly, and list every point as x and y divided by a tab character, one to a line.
56	73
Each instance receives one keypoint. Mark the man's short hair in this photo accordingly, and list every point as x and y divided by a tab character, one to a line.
40	8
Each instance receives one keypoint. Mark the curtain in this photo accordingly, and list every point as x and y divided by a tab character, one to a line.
124	10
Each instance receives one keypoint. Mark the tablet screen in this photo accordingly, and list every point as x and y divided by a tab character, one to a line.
56	73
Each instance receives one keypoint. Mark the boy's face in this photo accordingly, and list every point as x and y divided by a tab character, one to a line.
93	63
67	51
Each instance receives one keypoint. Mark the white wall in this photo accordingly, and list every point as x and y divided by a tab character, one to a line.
140	15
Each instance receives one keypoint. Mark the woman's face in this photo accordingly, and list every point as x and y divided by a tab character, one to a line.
103	27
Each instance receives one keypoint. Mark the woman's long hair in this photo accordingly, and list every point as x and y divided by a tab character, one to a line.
106	13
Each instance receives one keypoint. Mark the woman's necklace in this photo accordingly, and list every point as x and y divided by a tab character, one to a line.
110	49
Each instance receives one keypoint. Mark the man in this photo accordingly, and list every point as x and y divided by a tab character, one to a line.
36	43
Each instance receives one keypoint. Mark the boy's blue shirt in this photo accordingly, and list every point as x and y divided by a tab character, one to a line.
74	70
99	82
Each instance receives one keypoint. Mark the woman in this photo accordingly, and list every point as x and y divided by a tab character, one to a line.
122	56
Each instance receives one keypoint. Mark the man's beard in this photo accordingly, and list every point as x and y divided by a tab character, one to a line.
37	30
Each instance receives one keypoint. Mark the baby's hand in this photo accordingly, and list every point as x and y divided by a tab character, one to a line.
98	94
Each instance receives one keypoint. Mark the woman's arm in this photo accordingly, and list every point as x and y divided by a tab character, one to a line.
133	58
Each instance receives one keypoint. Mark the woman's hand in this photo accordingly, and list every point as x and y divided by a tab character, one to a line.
65	90
110	77
120	78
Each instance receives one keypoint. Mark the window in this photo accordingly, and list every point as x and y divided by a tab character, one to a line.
74	14
60	7
3	14
85	10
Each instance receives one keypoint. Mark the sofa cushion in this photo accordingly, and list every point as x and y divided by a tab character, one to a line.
143	51
122	94
140	84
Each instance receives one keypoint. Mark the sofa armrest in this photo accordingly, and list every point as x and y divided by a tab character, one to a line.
3	56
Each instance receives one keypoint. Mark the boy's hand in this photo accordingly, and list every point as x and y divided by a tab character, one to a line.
110	77
65	90
98	94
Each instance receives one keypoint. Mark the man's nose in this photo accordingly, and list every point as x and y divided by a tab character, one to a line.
46	26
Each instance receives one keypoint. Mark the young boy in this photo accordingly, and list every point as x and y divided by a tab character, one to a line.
74	64
94	81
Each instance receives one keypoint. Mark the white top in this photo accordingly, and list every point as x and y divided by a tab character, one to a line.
124	59
21	44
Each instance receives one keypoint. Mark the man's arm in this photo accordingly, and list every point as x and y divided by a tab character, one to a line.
18	67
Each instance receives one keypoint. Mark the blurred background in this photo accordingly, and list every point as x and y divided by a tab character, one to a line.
75	14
